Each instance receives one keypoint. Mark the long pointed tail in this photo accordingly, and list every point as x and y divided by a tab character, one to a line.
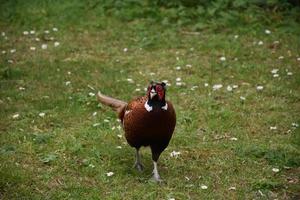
115	104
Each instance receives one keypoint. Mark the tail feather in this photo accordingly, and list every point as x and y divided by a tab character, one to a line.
115	104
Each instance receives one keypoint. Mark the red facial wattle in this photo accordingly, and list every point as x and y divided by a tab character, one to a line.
160	91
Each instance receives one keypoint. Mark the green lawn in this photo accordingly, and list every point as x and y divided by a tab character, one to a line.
239	141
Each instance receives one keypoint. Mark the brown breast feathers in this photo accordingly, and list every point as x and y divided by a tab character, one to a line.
143	128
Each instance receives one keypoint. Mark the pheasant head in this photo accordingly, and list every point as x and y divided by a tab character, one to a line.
156	94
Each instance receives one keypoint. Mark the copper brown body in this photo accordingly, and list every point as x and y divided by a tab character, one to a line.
148	121
143	128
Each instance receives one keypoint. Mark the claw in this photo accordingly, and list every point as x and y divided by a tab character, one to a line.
138	166
157	179
156	176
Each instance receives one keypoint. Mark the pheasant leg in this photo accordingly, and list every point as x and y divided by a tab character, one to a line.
138	165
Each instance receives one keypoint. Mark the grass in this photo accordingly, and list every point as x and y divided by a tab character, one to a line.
63	155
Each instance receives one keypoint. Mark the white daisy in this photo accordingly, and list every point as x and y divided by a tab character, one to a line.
217	86
229	88
91	165
15	116
96	124
295	124
109	174
91	94
242	98
194	87
175	154
232	188
130	80
223	58
267	31
275	170
44	46
204	187
260	87
56	44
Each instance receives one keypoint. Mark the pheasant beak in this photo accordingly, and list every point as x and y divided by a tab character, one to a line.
152	93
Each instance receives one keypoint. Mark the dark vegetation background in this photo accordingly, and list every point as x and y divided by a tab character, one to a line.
218	15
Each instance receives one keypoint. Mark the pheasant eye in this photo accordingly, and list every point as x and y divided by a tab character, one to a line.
158	88
160	91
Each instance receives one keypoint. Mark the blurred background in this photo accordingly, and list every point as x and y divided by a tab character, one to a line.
232	70
196	14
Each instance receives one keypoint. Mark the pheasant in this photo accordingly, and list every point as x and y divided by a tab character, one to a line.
147	121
